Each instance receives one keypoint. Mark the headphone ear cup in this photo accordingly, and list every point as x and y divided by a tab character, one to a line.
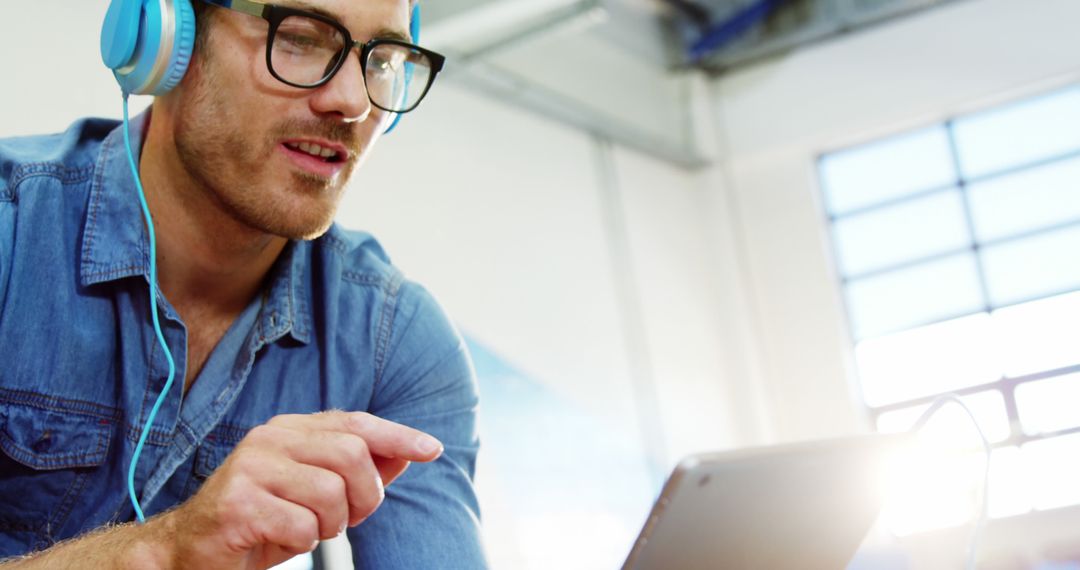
185	44
164	40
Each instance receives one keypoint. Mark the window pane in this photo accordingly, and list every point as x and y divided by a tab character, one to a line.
1053	467
887	237
891	168
988	408
1046	406
1033	267
1028	200
1039	336
911	297
928	360
1032	130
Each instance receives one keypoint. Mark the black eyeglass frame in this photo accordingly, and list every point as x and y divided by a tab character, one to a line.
275	14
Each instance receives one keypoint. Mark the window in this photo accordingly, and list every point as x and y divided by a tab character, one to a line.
958	252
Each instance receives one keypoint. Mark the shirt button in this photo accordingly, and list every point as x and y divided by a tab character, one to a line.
44	442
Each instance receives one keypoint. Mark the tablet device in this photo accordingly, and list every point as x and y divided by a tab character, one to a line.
806	505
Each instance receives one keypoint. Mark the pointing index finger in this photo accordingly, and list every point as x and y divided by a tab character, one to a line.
383	437
389	439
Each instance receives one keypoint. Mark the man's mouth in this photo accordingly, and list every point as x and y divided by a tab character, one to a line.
316	151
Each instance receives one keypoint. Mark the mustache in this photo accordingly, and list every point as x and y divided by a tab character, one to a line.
344	134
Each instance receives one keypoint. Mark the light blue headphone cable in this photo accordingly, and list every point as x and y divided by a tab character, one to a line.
984	499
154	314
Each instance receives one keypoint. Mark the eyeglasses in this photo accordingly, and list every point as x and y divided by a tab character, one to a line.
305	49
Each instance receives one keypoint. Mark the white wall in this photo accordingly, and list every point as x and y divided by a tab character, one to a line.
51	71
499	214
694	307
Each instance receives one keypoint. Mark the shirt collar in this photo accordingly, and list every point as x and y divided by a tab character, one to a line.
114	243
287	295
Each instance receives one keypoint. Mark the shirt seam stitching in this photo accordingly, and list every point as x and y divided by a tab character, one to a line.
336	244
57	404
65	174
386	325
89	236
125	271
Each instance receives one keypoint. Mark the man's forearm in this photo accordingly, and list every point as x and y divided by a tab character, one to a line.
128	546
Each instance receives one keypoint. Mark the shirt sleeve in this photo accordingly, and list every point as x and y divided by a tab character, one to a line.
430	518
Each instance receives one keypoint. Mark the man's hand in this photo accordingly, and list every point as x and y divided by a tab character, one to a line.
291	482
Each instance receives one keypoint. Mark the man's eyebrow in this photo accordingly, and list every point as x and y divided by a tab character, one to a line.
384	33
388	34
311	8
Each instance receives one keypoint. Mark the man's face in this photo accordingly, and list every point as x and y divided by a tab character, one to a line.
237	129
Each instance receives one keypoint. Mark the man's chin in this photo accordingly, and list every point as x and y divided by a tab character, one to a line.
313	235
296	229
286	223
313	205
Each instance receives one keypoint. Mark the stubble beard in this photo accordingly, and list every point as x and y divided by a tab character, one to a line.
222	162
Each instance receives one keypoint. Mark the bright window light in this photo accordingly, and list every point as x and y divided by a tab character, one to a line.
931	487
1053	467
1010	493
1038	336
1047	406
987	407
928	360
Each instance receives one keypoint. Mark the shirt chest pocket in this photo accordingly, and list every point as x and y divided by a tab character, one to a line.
46	458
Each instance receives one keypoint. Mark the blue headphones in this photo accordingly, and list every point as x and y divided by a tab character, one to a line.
148	44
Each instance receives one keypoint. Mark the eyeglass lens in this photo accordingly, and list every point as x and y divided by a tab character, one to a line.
305	51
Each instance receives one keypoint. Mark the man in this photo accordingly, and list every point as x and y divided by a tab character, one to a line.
272	314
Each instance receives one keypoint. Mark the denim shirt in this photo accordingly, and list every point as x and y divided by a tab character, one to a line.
335	327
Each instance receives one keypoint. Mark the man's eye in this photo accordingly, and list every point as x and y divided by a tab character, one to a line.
298	41
383	65
306	43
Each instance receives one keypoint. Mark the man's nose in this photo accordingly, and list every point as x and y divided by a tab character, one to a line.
346	93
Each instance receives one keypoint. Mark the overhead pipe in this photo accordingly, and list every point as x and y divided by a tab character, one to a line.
723	33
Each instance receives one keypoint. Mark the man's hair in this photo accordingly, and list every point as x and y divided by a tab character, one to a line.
202	24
